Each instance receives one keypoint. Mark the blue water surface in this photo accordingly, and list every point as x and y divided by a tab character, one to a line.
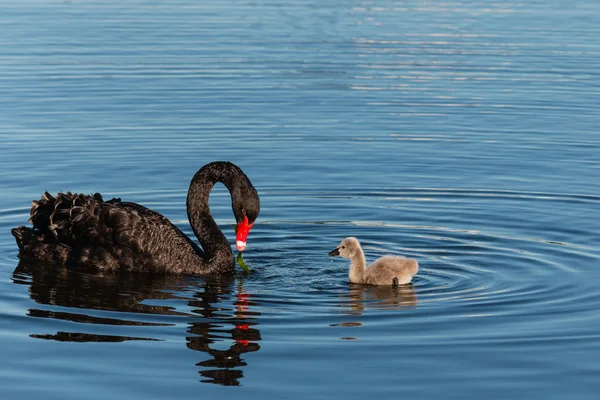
463	134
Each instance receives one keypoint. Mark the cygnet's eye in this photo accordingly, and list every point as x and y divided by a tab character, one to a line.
343	247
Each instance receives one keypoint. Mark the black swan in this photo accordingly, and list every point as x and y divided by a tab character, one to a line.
83	231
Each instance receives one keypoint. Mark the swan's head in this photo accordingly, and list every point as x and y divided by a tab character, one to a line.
347	248
245	202
241	233
245	221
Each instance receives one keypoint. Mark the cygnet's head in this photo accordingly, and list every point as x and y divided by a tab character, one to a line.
347	248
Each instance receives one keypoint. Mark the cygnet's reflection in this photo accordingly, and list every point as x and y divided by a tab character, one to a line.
361	297
130	293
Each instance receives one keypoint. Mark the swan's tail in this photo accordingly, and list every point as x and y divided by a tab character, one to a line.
23	236
33	243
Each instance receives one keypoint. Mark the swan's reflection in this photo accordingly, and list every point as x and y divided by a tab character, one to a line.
220	322
241	327
360	297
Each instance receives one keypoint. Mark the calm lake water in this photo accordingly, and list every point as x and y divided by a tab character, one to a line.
463	134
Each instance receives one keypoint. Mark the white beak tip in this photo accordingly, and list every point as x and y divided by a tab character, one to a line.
241	246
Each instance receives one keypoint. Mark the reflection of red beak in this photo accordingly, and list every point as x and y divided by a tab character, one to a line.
242	234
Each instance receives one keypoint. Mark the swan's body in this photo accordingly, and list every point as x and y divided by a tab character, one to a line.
87	232
388	270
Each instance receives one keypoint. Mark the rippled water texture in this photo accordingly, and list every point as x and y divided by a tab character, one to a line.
462	134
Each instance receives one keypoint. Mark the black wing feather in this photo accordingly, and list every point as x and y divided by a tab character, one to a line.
95	227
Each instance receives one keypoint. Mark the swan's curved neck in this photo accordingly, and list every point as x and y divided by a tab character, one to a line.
218	256
358	266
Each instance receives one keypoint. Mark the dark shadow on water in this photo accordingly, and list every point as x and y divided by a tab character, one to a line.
212	319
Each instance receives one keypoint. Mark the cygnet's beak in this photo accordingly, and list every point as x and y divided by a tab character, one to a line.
335	252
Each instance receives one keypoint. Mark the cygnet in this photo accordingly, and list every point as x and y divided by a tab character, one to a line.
388	270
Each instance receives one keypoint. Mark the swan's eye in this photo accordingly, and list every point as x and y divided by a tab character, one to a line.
343	247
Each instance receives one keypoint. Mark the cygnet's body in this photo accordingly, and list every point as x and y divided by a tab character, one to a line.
388	270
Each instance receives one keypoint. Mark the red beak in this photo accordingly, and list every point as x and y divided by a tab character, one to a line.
242	234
